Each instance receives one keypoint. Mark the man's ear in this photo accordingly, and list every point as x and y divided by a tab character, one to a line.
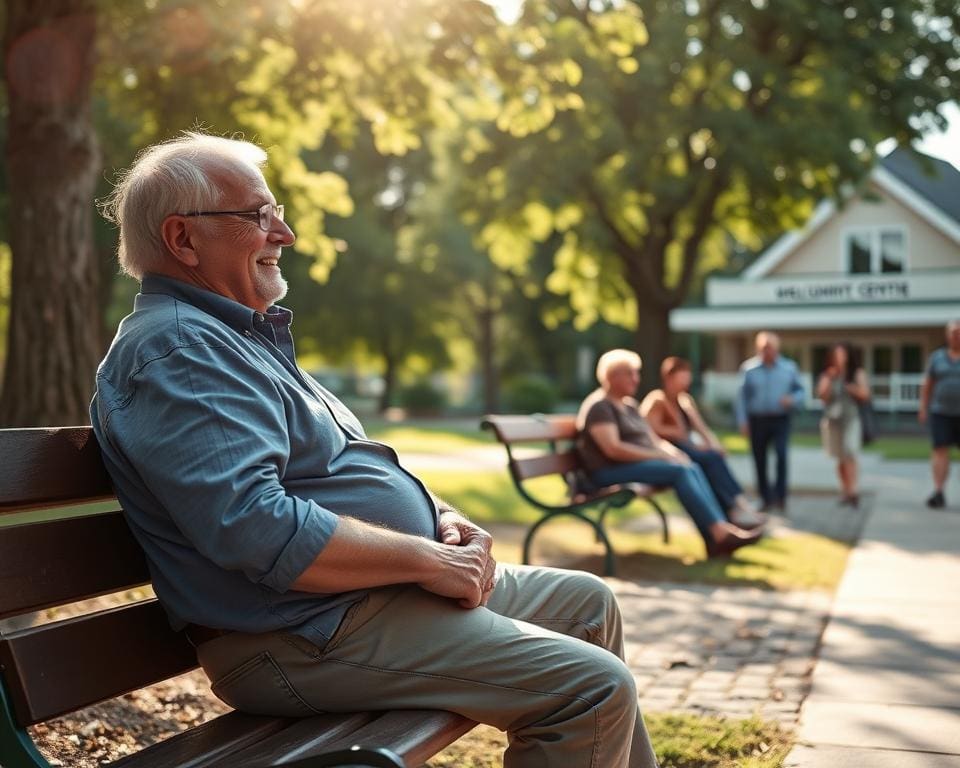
176	238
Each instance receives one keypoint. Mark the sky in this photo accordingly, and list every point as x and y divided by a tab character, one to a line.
943	145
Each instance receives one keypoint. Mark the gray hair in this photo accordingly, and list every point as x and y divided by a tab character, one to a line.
614	359
171	177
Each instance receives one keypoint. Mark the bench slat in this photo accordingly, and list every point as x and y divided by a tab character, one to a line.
52	563
300	738
524	429
547	464
57	668
43	466
204	745
415	735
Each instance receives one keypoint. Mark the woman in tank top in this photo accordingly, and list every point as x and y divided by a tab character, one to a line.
673	414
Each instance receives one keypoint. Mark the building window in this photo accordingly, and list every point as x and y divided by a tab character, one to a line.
875	251
911	358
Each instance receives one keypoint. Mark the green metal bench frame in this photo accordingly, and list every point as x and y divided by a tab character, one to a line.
558	432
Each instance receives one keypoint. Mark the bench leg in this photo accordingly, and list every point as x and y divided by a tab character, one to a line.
663	518
17	749
609	561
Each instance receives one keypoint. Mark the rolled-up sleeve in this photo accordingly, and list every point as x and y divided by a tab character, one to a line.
209	437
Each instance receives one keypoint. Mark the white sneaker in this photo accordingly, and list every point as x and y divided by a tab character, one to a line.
747	518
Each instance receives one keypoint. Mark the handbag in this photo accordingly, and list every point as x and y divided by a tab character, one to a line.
868	422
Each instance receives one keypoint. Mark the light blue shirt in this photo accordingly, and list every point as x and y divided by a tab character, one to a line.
762	387
233	466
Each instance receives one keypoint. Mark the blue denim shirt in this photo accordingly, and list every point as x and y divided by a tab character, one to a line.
762	386
233	466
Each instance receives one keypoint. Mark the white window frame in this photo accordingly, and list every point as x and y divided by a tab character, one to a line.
874	233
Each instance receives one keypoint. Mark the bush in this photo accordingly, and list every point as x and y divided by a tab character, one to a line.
530	393
422	397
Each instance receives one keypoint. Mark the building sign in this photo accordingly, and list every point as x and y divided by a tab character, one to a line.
840	289
898	290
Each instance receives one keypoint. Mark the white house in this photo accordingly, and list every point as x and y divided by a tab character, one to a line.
882	273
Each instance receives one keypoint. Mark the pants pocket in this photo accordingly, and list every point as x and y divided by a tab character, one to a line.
259	686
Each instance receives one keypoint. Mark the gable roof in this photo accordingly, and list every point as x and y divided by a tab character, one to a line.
927	186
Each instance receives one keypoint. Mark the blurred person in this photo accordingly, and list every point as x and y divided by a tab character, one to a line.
770	389
310	569
940	407
673	414
842	387
617	446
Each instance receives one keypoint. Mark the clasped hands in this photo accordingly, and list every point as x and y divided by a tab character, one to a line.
470	575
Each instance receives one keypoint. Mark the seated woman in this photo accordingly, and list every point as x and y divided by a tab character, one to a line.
673	414
616	445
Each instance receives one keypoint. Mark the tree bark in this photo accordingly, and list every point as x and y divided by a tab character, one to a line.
652	341
491	376
52	160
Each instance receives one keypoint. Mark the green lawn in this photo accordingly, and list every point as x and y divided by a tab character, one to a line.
892	447
680	741
446	436
794	561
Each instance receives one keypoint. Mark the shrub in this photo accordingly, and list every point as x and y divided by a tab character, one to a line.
422	397
530	393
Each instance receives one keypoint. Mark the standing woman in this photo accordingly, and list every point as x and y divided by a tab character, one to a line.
842	387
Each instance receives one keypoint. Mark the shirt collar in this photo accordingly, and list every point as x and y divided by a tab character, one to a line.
231	312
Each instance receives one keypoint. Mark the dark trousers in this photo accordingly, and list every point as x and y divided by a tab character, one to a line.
764	432
714	465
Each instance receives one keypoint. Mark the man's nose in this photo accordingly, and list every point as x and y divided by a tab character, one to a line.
282	233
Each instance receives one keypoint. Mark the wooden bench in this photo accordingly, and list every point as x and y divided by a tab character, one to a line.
560	458
57	668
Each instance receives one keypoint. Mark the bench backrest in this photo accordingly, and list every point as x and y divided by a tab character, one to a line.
55	668
557	431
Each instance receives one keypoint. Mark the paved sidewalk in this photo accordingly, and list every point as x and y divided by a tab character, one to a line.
886	688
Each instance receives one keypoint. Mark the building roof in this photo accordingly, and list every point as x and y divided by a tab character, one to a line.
927	186
936	180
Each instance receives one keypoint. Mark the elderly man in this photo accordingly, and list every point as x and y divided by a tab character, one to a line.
312	571
940	406
770	388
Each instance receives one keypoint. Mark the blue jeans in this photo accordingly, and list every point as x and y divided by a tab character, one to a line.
688	482
714	465
764	431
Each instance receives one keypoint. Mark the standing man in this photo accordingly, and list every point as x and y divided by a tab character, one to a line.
940	405
311	571
770	389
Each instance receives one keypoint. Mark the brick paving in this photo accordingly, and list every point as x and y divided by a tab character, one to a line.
733	651
722	650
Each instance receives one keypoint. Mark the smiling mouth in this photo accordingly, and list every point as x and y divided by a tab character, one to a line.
268	262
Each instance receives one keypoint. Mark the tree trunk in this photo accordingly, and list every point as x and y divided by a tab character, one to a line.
52	161
389	382
491	376
652	341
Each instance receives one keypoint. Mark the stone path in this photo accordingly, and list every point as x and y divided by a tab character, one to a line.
722	650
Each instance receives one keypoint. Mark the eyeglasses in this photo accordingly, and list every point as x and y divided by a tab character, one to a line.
265	214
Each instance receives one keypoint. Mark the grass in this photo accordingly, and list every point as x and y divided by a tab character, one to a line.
793	561
891	447
680	741
445	436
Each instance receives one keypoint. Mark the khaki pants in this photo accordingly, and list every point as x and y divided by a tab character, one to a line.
543	662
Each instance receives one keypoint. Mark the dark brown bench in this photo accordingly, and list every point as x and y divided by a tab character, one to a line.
558	457
57	668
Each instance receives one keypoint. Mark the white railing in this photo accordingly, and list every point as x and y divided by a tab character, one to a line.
896	392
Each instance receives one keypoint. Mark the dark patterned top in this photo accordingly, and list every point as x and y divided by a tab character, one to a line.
631	427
